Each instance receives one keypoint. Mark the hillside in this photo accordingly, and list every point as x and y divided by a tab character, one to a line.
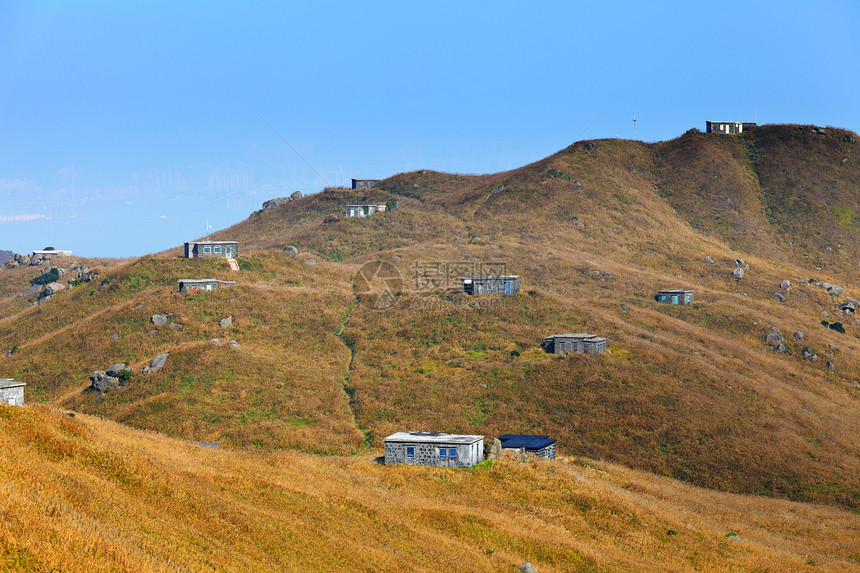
83	494
694	393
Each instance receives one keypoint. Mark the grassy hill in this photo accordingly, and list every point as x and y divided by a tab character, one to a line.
693	393
87	494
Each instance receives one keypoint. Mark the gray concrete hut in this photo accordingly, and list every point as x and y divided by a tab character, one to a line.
211	249
364	183
728	126
11	392
493	284
434	449
189	286
363	210
579	342
675	296
541	446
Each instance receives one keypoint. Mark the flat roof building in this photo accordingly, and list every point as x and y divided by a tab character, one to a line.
364	183
579	342
434	449
675	296
187	286
541	446
11	392
728	126
53	253
363	210
493	284
211	249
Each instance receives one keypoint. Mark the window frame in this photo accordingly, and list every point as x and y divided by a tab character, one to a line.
410	451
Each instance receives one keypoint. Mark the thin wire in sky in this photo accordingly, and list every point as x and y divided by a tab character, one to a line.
587	128
293	148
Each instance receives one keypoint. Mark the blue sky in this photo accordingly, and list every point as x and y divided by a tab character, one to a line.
125	126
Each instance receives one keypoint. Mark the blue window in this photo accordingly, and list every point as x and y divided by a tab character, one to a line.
410	451
452	453
507	288
442	452
674	299
217	249
227	249
206	250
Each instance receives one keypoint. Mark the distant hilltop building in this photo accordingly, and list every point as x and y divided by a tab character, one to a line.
434	449
211	249
11	392
364	183
675	296
727	126
187	286
493	284
363	210
53	253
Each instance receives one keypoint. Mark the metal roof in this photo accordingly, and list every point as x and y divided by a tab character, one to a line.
9	383
674	291
433	437
575	335
527	442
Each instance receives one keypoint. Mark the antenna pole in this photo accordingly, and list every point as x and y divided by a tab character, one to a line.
634	128
207	229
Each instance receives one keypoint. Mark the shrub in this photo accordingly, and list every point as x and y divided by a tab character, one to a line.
51	276
124	376
837	326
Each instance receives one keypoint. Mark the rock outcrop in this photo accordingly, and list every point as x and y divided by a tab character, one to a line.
101	381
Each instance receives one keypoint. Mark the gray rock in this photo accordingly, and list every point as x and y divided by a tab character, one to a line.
739	262
36	260
798	336
709	260
577	185
785	285
175	325
114	336
226	322
832	347
53	288
296	195
153	331
589	146
115	369
775	329
101	381
527	568
34	289
215	342
779	296
311	262
159	319
781	348
493	450
831	366
833	288
158	362
233	344
738	273
606	276
291	250
146	369
272	203
773	338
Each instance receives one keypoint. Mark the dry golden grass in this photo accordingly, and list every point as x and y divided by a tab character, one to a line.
87	494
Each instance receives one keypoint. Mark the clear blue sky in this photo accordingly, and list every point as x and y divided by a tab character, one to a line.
125	125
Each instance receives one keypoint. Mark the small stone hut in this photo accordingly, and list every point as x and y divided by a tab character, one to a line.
675	296
493	284
211	249
541	446
11	392
728	126
558	343
363	210
187	286
434	449
53	253
364	183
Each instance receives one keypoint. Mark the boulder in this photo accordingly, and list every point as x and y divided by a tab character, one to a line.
709	260
798	336
226	322
831	366
115	369
214	342
589	146
233	344
292	251
785	285
832	347
311	262
738	273
114	336
526	568
53	288
781	348
157	362
773	338
779	296
159	319
101	381
577	185
34	289
296	195
833	288
606	276
493	450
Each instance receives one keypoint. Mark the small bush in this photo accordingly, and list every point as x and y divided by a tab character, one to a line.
51	276
124	376
837	326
